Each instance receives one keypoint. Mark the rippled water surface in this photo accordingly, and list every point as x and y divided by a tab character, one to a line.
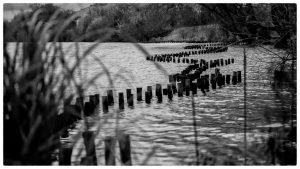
165	131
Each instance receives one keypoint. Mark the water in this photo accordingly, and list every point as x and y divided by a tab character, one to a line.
163	134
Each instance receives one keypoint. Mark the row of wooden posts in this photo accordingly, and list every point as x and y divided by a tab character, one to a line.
65	152
170	59
204	46
72	112
186	53
193	41
186	85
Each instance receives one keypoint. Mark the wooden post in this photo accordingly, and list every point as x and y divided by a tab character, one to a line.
180	89
105	104
158	93
88	109
125	149
110	97
130	101
213	81
170	93
228	79
220	80
165	91
147	97
110	158
234	78
121	101
128	93
187	87
239	79
89	142
149	89
206	82
194	88
139	95
97	99
92	101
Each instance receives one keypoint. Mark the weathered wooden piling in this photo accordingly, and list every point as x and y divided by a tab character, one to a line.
232	60
206	82
165	91
227	79
121	101
239	75
147	97
110	97
128	93
110	157
149	89
220	80
213	81
130	100
158	92
194	88
187	87
105	104
125	149
92	100
88	109
170	93
97	99
226	62
180	89
222	62
139	94
89	142
234	78
223	80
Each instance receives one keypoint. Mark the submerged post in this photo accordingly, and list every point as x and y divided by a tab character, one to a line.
125	149
89	142
104	104
149	89
147	97
110	157
121	101
180	89
110	97
170	93
139	94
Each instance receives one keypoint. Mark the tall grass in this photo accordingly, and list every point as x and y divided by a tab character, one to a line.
37	77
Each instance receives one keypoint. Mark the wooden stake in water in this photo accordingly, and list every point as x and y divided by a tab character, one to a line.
125	149
121	101
89	142
110	158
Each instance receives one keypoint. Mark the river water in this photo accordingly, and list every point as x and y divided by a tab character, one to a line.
163	133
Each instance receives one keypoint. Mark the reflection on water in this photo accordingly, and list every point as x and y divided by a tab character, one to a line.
164	132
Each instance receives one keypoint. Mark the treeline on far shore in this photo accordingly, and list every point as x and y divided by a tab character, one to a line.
160	23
